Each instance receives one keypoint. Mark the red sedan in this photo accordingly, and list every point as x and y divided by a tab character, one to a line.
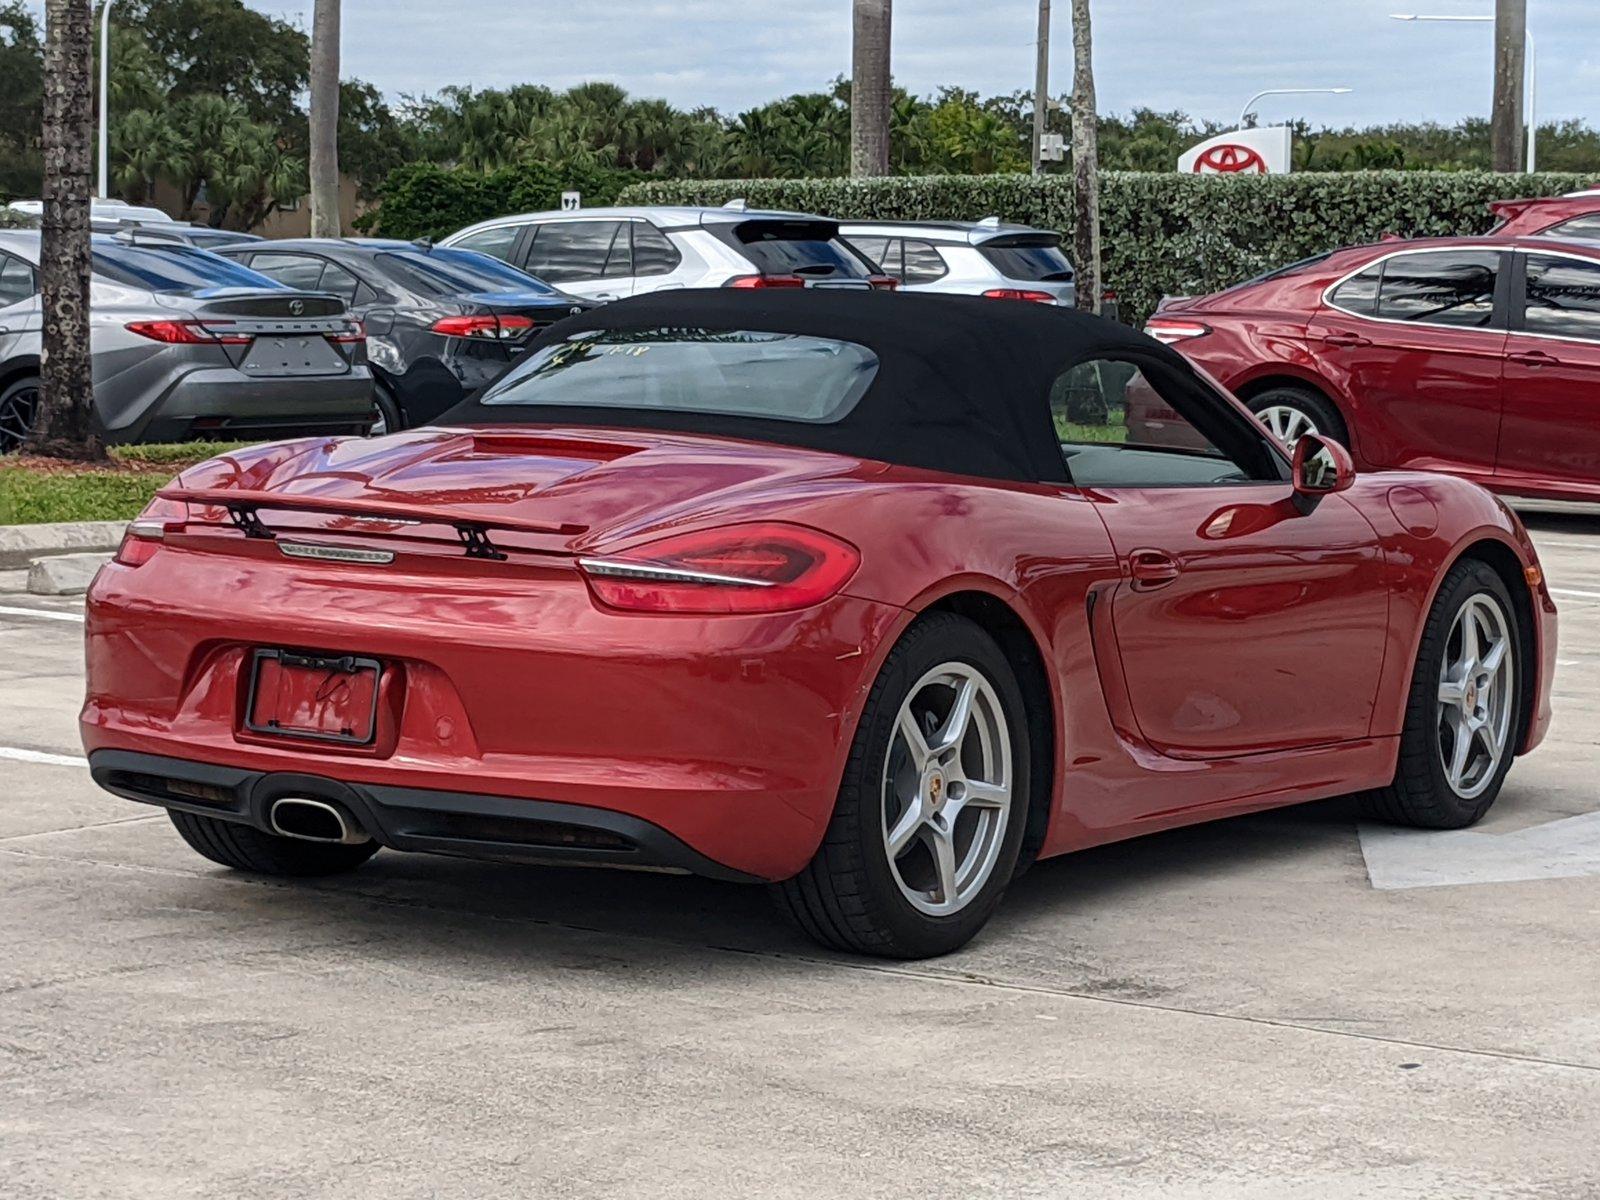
1574	217
828	590
1477	356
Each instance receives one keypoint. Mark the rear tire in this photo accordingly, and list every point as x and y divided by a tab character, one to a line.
246	849
954	802
19	412
1290	413
389	418
1427	791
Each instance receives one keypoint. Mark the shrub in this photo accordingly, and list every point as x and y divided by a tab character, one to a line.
1162	233
424	200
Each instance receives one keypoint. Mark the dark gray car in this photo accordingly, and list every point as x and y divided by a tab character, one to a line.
187	344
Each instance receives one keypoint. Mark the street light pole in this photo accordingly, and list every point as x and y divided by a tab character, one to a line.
105	101
1321	91
1532	75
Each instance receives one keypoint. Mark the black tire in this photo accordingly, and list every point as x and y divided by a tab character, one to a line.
1421	794
390	418
19	409
847	897
247	849
1318	409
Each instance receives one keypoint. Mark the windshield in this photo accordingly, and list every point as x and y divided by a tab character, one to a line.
173	269
775	376
445	272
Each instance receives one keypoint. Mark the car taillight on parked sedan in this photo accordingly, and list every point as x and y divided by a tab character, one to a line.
352	332
759	568
188	333
1019	294
1170	331
149	529
765	281
489	328
883	283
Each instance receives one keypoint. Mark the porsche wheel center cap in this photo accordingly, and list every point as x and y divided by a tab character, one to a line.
935	789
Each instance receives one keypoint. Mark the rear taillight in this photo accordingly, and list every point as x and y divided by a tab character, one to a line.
1020	294
766	281
883	283
352	333
487	327
187	333
1169	331
149	529
759	568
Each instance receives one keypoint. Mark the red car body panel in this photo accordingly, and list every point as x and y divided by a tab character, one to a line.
1529	218
1517	412
1275	672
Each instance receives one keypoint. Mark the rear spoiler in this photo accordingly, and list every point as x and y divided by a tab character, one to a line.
244	509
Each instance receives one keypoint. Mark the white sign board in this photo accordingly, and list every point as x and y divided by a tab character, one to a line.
1241	152
1053	147
570	201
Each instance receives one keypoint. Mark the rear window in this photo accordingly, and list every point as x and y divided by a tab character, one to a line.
809	248
173	269
1036	258
732	372
445	272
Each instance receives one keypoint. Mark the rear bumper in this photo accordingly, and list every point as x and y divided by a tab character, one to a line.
225	403
457	823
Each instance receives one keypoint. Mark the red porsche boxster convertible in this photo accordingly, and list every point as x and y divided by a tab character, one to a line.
875	598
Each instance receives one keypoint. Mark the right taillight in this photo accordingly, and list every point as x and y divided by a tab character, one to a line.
765	567
766	281
1169	331
1020	294
485	327
149	529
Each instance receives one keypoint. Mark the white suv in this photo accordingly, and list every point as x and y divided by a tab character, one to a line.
969	258
611	253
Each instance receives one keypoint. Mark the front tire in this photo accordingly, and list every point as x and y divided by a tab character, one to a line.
933	806
19	412
1464	714
248	849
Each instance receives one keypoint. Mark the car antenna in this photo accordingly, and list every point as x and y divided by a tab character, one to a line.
425	244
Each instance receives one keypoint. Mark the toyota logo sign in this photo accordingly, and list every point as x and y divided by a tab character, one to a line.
297	308
1230	159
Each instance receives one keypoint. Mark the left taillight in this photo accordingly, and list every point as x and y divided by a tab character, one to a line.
149	529
758	568
188	333
1027	294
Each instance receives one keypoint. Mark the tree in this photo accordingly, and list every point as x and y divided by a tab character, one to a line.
325	119
870	88
1085	163
66	421
1510	40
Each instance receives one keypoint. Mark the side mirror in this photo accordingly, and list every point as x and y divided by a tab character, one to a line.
1321	467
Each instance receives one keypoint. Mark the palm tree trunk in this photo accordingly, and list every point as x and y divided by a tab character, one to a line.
66	426
869	88
1085	163
325	119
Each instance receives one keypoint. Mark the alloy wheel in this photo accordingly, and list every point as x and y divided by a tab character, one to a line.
947	789
17	416
1287	423
380	422
1476	696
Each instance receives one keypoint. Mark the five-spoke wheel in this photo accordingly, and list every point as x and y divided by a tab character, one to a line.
1476	696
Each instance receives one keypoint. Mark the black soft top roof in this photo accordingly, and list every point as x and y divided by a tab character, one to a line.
963	384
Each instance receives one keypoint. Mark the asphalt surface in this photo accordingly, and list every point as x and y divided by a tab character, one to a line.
1240	1010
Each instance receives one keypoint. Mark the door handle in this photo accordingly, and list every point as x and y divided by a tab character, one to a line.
1346	339
1152	569
1535	358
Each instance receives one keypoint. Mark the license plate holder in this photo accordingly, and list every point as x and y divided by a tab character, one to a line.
326	698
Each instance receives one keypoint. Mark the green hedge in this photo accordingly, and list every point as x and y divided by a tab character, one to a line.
1162	233
423	200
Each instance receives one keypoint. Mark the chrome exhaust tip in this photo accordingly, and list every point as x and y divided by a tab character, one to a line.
311	820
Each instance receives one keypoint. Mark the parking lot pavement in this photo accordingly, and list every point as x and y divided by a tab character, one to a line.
1228	1011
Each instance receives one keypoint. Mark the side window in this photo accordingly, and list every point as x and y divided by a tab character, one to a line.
340	282
567	251
1562	297
1441	287
16	281
875	248
619	262
1120	426
1359	293
1582	229
924	263
653	251
499	241
292	270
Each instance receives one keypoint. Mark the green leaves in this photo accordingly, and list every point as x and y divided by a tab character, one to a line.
423	200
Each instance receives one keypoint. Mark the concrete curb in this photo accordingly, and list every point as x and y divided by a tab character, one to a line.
21	544
64	574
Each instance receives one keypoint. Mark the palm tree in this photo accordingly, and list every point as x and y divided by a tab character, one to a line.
1085	163
869	88
202	122
325	119
65	425
144	147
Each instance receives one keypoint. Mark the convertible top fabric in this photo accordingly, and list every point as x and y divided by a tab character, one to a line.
963	383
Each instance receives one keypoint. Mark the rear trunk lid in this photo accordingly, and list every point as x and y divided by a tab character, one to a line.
277	333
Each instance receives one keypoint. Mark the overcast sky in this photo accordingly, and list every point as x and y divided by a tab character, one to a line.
1202	56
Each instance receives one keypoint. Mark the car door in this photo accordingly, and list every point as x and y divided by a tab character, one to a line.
589	258
20	319
1415	340
1241	625
1551	429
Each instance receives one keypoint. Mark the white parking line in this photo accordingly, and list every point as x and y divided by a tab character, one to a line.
46	614
1576	595
17	754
